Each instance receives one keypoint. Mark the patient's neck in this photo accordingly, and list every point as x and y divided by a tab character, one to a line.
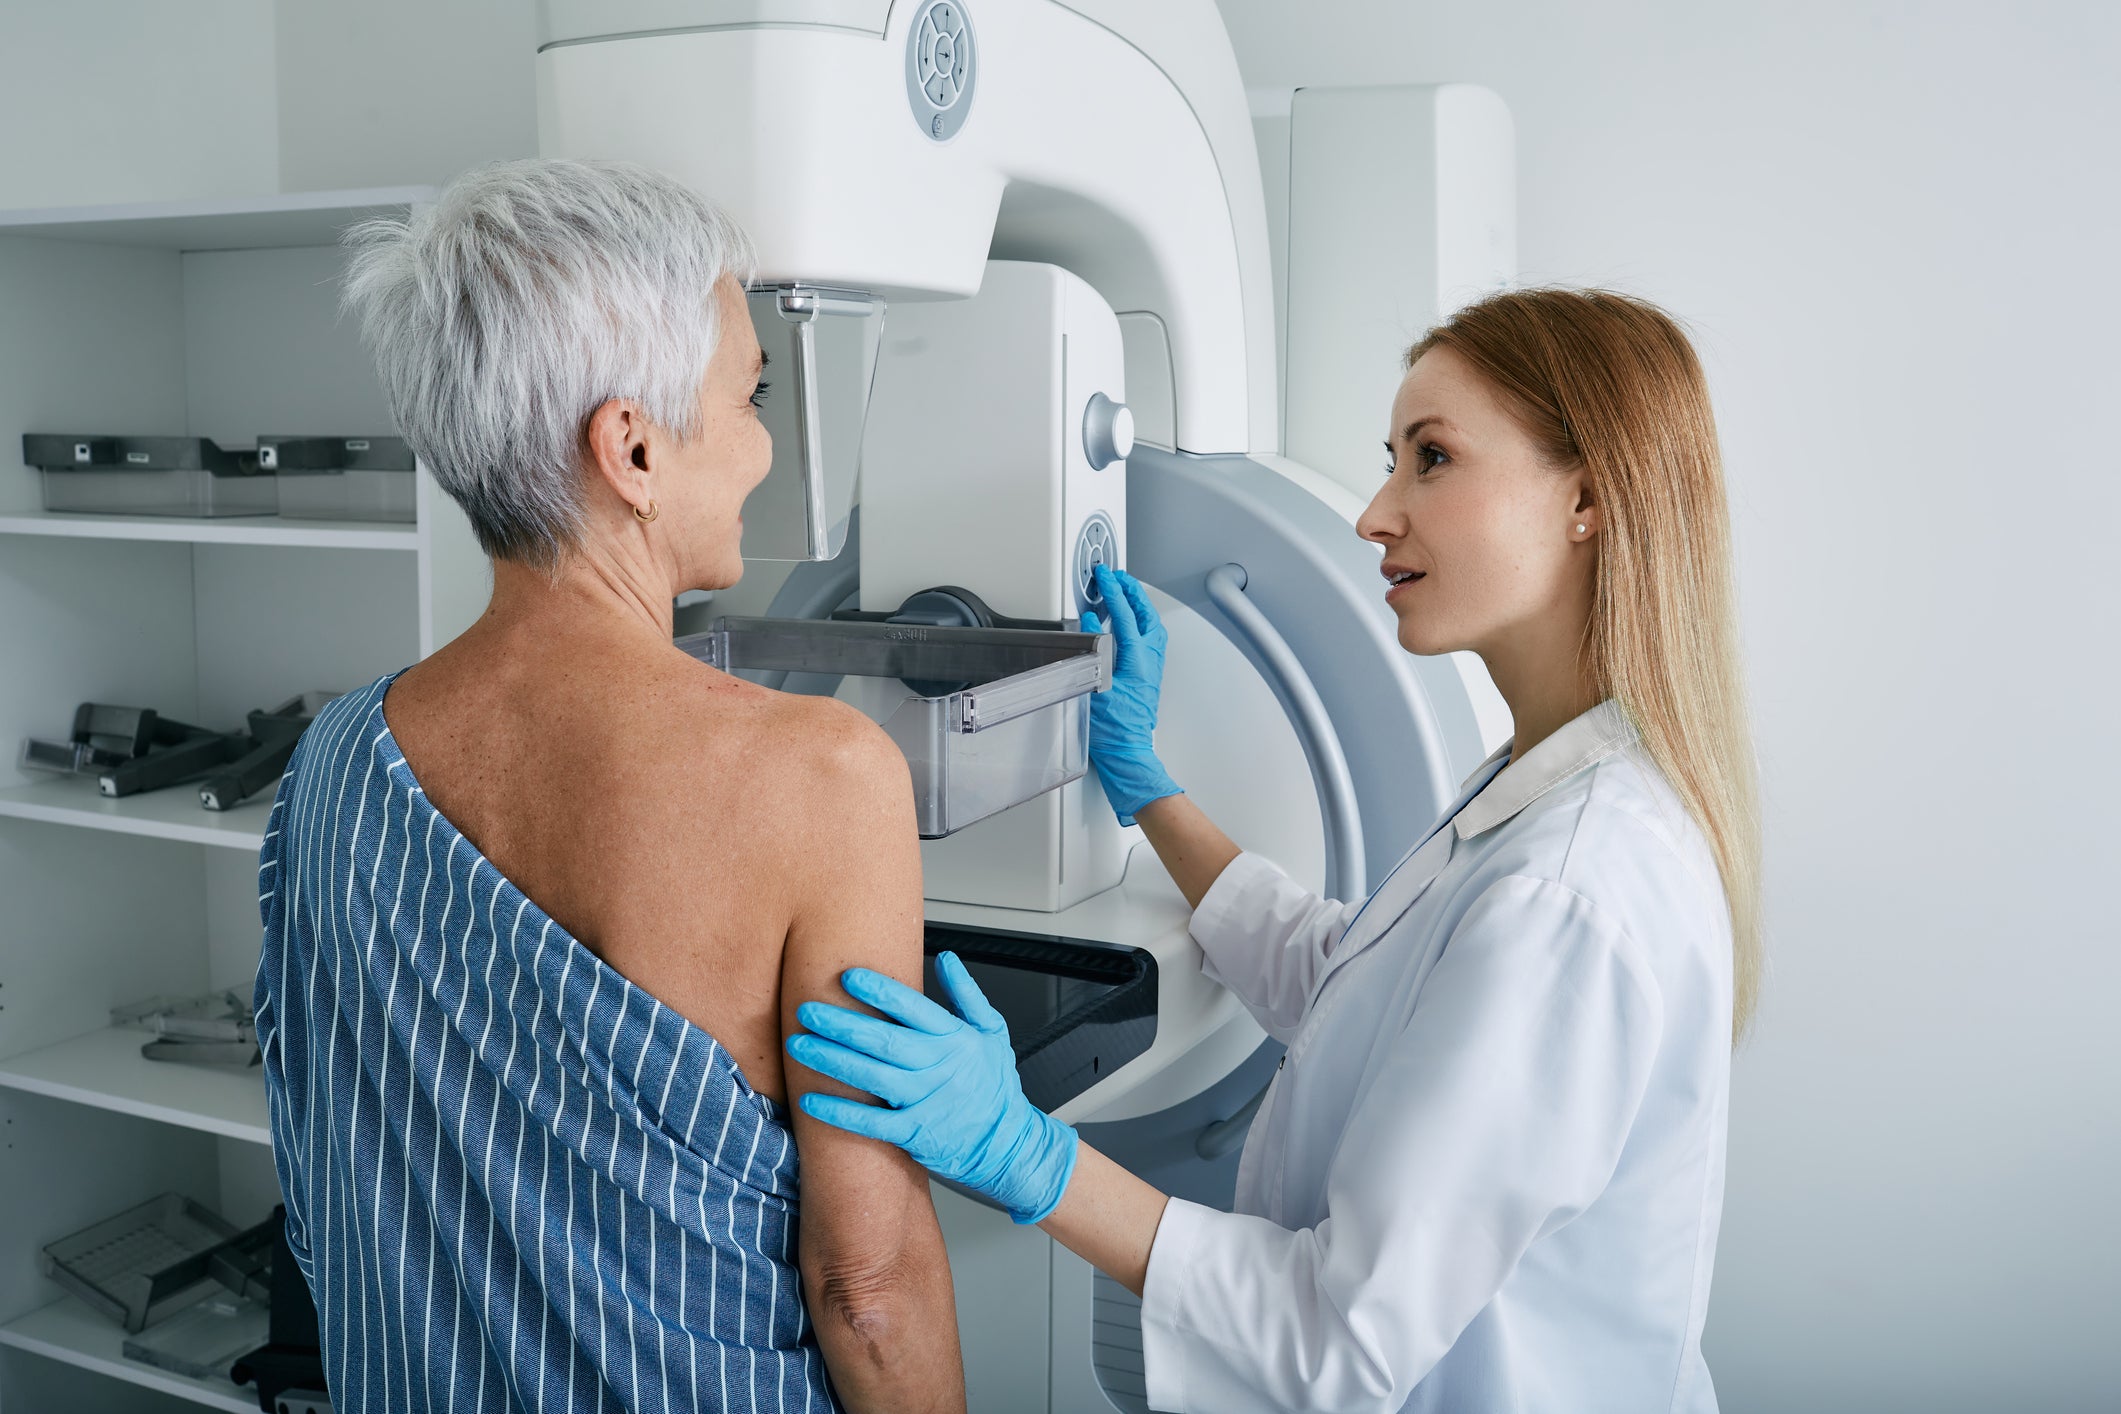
590	593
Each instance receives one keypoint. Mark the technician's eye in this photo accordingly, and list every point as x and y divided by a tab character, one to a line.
1427	457
758	394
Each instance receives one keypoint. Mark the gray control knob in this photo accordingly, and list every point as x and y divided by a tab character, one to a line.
1108	432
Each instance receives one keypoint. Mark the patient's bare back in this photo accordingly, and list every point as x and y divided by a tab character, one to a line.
675	820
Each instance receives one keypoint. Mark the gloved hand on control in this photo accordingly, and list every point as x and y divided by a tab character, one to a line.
1123	716
949	1086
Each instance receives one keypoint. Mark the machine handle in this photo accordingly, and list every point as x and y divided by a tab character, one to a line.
994	703
1221	1137
1347	874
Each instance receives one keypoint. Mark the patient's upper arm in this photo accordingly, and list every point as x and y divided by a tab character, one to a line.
869	1232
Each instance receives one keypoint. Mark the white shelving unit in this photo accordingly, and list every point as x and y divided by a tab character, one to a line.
232	530
105	1069
172	814
68	1331
287	221
214	319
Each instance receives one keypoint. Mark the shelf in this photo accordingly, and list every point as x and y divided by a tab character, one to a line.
106	1071
226	530
69	1331
172	814
241	223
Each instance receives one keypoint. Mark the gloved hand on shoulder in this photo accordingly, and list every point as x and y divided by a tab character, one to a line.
1123	716
949	1086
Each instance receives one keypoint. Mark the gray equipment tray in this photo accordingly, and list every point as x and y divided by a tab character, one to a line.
987	717
161	476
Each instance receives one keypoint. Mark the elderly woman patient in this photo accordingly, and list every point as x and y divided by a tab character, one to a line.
539	909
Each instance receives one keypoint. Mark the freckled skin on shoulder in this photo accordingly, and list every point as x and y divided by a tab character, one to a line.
808	799
676	820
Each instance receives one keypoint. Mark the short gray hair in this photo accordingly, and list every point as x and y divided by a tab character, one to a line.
529	295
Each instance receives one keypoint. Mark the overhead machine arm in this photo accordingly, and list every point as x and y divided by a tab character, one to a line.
896	147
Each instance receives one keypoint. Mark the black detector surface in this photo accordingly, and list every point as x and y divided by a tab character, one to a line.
1077	1010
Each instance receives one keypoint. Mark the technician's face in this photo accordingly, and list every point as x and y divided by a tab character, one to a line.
1474	514
709	477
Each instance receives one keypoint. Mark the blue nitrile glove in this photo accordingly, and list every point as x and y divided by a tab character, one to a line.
955	1102
1123	716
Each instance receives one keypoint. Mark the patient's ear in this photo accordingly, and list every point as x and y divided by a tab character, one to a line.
618	445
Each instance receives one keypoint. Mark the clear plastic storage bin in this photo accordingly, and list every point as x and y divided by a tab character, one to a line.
341	478
987	717
144	1264
149	476
204	1341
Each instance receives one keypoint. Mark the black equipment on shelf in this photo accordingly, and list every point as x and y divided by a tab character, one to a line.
135	749
273	735
289	1369
108	742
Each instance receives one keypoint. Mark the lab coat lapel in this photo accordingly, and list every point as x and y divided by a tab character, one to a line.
1410	878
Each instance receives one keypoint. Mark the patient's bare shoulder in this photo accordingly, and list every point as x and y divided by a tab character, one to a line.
846	748
826	770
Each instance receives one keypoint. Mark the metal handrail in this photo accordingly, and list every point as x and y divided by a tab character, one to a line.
1219	1138
1347	874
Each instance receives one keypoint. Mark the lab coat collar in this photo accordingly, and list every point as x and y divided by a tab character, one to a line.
1577	746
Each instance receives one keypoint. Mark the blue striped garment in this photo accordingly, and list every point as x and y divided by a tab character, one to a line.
514	1180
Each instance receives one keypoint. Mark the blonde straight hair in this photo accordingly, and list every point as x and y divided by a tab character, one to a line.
1610	384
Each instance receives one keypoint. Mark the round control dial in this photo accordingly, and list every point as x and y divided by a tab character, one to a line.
1108	432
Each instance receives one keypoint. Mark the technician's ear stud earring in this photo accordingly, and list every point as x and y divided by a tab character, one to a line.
1581	529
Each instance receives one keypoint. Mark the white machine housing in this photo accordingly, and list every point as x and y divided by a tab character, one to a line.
1365	266
1109	137
976	473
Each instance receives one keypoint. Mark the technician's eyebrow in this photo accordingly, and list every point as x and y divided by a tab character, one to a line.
1415	426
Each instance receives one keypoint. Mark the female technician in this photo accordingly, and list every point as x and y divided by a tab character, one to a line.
1489	1174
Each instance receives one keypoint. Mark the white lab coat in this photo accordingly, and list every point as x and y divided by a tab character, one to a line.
1489	1174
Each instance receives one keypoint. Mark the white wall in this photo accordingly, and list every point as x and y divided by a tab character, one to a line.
388	92
145	100
135	100
1893	228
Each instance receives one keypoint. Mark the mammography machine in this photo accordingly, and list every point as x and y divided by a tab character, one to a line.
1032	286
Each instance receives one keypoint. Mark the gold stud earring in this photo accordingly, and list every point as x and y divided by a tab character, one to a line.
650	514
